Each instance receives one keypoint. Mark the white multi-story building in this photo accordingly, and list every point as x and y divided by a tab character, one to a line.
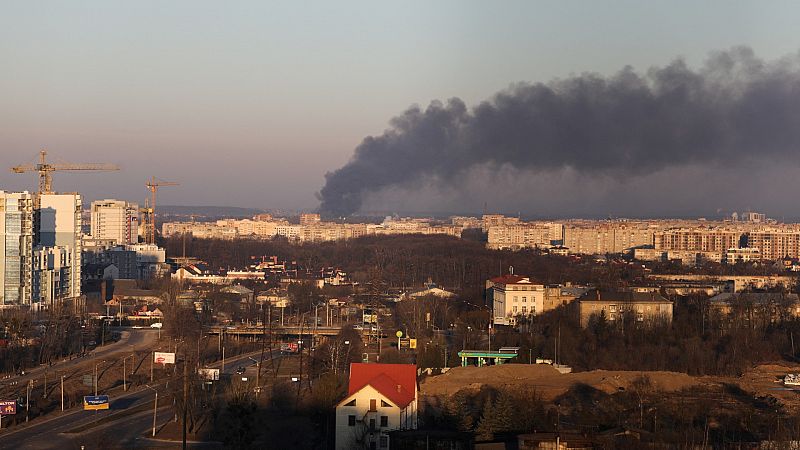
115	220
513	296
57	255
16	248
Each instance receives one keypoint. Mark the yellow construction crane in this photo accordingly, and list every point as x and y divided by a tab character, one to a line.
150	211
46	169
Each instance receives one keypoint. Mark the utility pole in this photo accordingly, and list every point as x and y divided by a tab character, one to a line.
185	394
28	399
151	367
62	392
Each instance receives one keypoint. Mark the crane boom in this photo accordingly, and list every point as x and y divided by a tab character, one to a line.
46	169
150	215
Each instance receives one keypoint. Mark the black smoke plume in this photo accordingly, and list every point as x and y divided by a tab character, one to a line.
735	108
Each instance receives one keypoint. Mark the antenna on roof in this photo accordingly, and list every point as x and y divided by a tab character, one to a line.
511	270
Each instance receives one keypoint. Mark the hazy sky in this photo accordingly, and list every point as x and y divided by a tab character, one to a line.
250	103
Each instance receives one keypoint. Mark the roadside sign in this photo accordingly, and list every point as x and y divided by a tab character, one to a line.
412	343
209	374
163	358
95	402
8	407
399	334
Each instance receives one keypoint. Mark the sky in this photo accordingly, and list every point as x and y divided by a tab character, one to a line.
251	103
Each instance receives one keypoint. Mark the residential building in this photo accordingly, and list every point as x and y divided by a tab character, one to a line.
58	248
16	248
737	255
525	235
647	308
115	220
774	244
513	296
381	398
309	219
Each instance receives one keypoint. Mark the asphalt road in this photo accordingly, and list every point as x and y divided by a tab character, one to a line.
131	338
56	431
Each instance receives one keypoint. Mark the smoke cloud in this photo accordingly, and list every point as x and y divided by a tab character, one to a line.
734	109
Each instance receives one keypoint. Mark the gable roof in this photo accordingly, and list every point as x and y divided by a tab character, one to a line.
397	382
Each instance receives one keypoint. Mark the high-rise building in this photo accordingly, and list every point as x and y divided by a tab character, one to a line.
57	255
115	220
16	247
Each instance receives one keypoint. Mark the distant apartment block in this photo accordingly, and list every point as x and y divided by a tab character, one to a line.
525	235
115	220
607	236
309	219
309	230
774	244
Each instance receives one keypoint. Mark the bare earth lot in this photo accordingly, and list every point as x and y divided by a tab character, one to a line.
760	381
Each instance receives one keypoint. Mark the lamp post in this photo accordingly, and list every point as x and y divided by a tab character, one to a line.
62	392
258	373
28	399
124	372
155	408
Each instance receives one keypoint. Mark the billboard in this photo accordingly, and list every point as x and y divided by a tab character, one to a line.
95	402
8	407
163	358
209	374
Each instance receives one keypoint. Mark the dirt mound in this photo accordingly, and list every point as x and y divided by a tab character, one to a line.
547	380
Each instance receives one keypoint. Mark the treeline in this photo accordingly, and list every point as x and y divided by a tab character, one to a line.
410	260
698	341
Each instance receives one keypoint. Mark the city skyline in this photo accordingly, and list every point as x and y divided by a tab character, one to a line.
252	105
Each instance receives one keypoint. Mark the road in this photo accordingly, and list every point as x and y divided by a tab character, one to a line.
55	431
130	338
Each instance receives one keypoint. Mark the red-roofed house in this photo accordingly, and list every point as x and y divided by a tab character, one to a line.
380	398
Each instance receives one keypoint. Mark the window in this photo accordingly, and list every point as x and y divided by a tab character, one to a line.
524	299
613	307
524	309
351	403
384	421
514	309
384	440
371	424
351	420
373	404
384	404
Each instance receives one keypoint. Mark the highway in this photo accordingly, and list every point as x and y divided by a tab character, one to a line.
56	431
130	338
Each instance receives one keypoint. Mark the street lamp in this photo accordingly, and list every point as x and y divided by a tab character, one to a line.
258	373
62	392
124	372
155	408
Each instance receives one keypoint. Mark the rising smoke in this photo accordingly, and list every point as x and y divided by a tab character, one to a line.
734	109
